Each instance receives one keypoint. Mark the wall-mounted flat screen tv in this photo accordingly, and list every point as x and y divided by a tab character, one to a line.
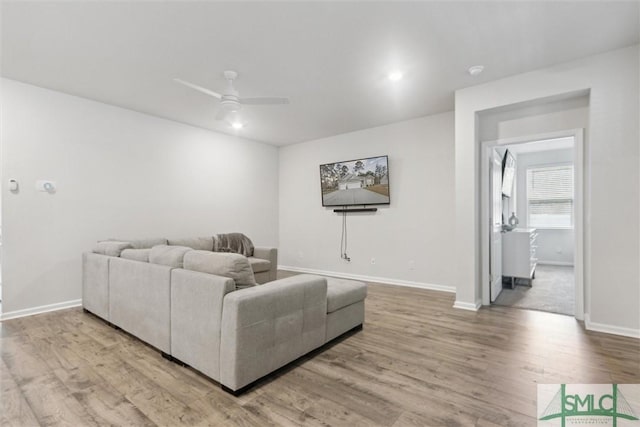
355	182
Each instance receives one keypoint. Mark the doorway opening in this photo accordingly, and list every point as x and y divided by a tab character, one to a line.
533	205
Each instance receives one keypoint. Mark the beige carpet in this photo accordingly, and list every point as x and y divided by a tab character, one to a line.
552	290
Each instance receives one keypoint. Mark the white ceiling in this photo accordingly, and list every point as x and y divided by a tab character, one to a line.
329	58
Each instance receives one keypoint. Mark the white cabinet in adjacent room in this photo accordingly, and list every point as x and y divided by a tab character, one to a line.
519	254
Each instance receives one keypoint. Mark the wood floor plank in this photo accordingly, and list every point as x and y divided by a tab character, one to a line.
108	407
22	358
156	402
14	409
335	414
417	362
57	406
287	407
345	392
438	415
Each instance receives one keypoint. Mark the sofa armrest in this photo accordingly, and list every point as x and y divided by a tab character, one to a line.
271	255
267	326
196	313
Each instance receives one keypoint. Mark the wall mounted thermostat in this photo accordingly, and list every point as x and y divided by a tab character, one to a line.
13	185
46	186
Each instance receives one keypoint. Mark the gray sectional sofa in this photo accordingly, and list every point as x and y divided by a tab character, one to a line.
163	292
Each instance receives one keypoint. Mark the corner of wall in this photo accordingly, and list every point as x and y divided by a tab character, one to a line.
467	306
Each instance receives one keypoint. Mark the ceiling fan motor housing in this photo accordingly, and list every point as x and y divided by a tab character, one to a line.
230	103
230	75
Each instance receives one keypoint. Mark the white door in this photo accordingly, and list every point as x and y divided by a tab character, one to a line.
496	225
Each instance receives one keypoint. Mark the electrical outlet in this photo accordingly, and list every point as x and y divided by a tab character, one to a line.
373	261
558	250
412	265
300	255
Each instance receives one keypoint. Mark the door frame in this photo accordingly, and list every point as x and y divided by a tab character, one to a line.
581	293
492	224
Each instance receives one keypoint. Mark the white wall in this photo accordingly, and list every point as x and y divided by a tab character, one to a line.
119	174
532	118
418	225
555	246
612	246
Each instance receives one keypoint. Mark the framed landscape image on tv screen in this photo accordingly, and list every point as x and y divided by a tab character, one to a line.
355	182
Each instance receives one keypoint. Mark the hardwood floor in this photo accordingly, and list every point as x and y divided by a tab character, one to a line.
417	362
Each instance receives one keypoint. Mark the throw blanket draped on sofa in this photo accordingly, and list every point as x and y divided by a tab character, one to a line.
233	242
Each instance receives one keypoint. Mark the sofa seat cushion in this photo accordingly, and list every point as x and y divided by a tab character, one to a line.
341	293
258	265
197	243
224	264
172	256
136	254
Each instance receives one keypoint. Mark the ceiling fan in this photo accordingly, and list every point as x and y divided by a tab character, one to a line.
230	101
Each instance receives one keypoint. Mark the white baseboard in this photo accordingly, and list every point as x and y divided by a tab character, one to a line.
467	305
560	263
41	309
610	329
384	280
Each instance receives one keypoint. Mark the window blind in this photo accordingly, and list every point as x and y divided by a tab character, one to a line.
550	196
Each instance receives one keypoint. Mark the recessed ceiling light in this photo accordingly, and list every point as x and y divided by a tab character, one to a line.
476	69
394	76
237	125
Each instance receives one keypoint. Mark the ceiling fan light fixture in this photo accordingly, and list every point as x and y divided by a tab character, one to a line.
237	125
395	75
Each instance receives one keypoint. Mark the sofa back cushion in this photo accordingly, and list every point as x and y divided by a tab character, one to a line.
197	243
233	242
147	243
136	254
168	255
224	264
111	247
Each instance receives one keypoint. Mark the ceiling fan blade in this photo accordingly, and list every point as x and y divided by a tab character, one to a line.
264	101
198	88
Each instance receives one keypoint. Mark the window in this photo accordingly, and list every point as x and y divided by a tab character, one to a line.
550	197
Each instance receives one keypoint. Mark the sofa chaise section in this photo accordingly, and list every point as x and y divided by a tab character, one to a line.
265	327
345	306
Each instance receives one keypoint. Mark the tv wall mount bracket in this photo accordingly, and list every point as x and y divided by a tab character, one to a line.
362	209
